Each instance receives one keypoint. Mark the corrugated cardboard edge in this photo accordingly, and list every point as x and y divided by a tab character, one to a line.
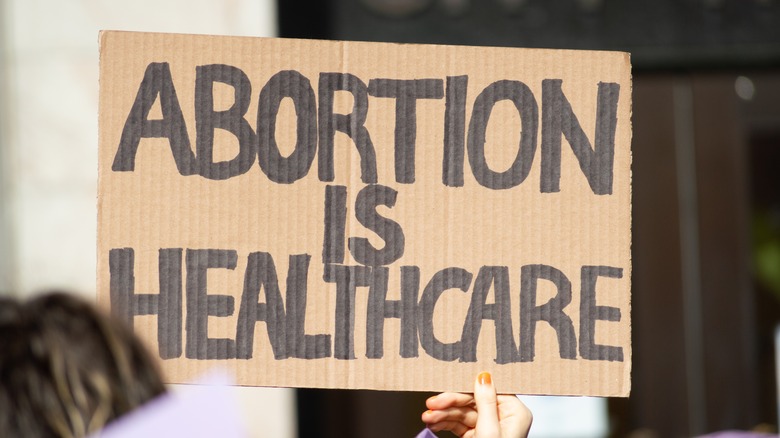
629	363
99	199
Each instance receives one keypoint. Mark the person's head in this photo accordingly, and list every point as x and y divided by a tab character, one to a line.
66	369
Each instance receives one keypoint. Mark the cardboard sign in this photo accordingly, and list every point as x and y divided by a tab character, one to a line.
363	215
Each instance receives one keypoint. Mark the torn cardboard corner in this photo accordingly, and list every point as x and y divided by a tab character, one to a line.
368	215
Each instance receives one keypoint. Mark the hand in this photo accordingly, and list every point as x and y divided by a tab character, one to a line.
481	415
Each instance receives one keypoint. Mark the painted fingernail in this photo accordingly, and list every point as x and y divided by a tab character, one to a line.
484	379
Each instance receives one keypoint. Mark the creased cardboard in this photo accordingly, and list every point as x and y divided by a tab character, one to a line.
367	215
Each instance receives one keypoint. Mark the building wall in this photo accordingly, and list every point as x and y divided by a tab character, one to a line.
48	142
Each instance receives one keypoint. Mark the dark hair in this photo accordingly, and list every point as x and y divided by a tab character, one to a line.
66	369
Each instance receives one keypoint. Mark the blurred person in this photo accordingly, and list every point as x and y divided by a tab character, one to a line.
66	369
480	415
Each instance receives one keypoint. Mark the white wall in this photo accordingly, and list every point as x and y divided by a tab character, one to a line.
48	141
50	103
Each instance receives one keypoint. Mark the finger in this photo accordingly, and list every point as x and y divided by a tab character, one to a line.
510	405
448	400
458	429
515	416
487	407
465	415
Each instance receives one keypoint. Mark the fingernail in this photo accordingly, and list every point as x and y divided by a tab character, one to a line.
431	398
428	412
484	379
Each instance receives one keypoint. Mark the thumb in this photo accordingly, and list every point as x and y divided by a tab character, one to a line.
487	407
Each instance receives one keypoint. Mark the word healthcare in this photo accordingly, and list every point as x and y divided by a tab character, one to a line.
285	323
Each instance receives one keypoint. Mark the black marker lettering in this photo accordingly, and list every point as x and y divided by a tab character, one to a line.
365	211
231	120
157	83
448	278
280	169
379	309
406	93
200	305
551	311
126	304
454	130
499	312
351	124
524	101
335	224
347	279
590	313
559	119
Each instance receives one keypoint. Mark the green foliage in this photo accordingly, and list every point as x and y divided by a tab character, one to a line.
766	250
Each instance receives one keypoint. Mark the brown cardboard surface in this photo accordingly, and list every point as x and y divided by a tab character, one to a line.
453	230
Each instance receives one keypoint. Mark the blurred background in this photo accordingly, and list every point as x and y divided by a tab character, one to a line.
706	185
